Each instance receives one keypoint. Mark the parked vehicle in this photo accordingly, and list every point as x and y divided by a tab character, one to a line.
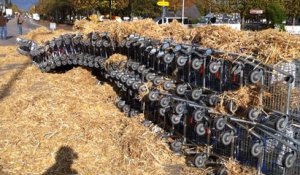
168	20
36	16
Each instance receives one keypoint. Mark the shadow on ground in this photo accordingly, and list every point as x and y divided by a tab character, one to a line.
64	159
5	90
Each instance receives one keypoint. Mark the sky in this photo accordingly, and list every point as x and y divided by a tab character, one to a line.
24	4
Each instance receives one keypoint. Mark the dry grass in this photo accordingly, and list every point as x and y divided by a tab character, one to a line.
234	168
244	98
295	100
116	59
68	114
271	46
42	34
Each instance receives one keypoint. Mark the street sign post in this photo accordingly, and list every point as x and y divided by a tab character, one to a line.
256	12
163	3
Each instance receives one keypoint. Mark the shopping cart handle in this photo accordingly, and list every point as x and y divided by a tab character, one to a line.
265	128
294	148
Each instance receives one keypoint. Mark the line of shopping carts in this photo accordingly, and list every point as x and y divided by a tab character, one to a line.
179	87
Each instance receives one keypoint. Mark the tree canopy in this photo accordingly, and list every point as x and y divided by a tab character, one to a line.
59	9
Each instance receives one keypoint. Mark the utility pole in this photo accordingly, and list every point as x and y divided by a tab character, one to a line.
182	11
110	9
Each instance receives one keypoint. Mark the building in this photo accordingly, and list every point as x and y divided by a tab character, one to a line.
2	5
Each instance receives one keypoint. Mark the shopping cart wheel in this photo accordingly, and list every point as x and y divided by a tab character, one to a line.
198	114
226	138
200	160
121	104
289	159
255	76
135	66
133	113
214	67
180	89
119	75
153	96
168	58
176	146
126	108
281	123
162	111
135	85
44	64
141	68
150	76
213	100
164	102
196	94
181	60
200	129
179	108
143	89
231	106
129	82
220	123
168	85
256	149
124	78
175	119
106	43
157	81
222	171
289	79
253	114
196	64
47	69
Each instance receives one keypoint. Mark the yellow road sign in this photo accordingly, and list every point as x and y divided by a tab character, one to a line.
163	3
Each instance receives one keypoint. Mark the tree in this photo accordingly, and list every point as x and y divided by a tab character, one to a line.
15	8
32	9
293	9
242	7
275	12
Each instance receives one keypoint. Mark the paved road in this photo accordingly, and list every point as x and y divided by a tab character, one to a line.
12	30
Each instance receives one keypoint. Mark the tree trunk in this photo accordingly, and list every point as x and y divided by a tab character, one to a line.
242	21
294	20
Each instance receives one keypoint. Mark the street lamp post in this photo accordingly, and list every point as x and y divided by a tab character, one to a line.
182	11
110	9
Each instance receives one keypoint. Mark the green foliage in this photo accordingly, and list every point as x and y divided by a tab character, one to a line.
15	8
275	13
195	21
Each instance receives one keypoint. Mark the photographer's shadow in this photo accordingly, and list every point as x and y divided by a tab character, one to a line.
64	160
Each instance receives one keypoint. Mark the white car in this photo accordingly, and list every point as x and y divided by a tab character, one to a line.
167	20
36	16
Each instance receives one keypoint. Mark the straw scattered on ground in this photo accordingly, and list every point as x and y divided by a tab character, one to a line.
244	98
54	120
116	59
234	168
270	46
42	34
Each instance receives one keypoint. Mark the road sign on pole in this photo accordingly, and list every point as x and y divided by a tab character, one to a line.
256	12
163	3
